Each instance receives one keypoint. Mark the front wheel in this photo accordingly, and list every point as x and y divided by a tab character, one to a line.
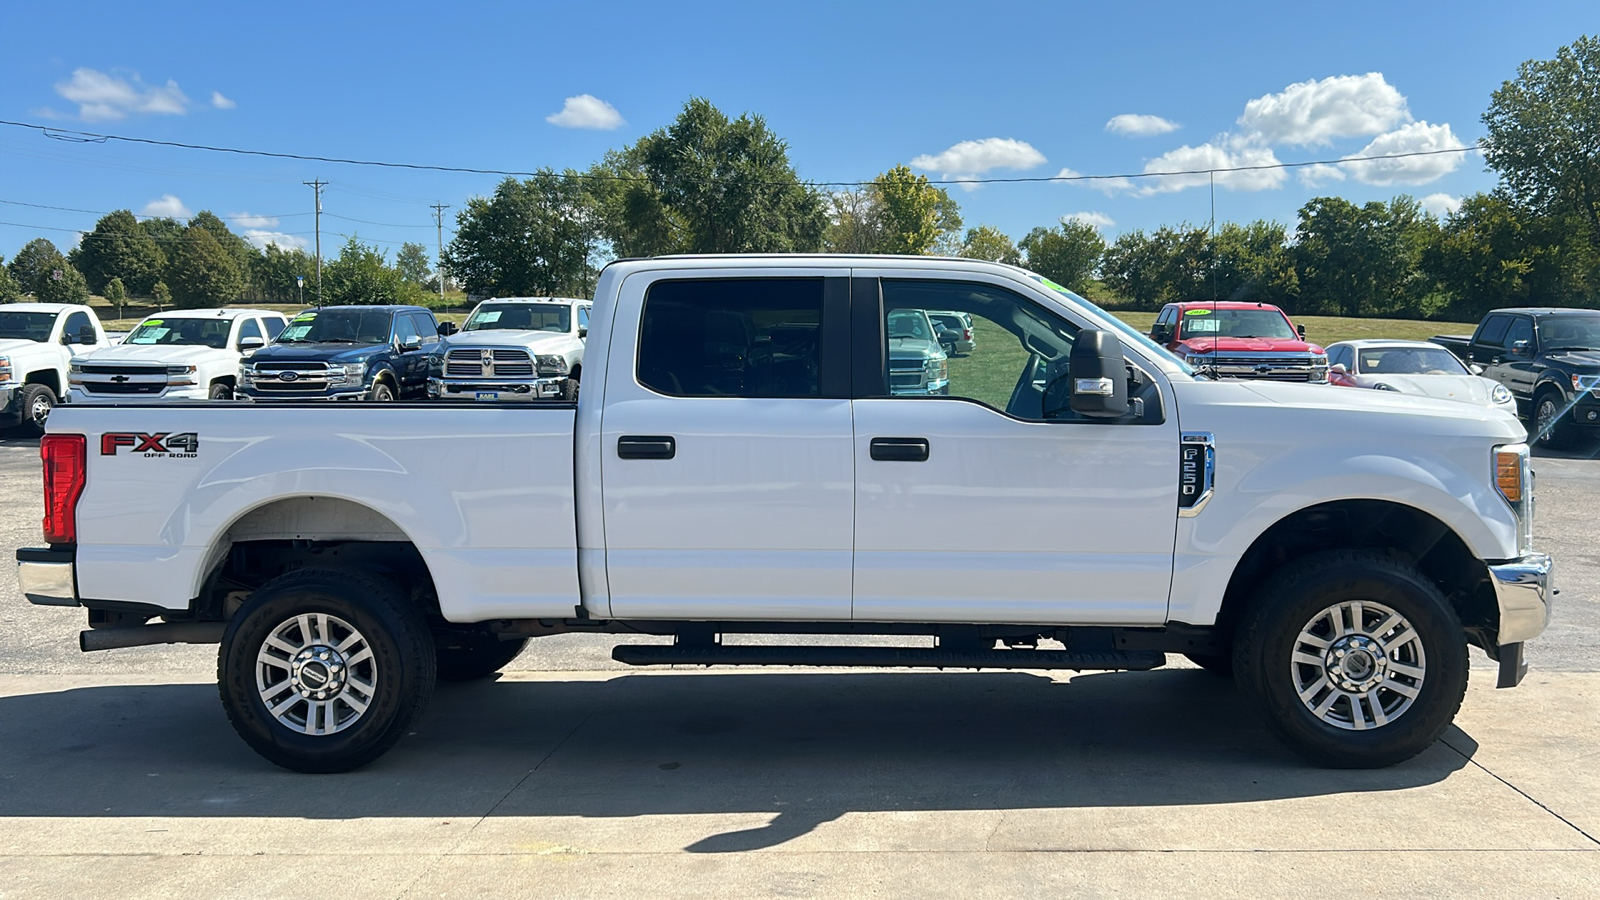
1355	658
37	403
323	670
382	393
1548	429
569	390
221	391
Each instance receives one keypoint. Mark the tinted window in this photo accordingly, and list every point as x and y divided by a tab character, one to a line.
755	337
75	325
425	326
1572	332
26	326
1521	330
274	326
1340	356
1493	330
405	331
249	330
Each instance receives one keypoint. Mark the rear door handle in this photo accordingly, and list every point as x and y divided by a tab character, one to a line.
646	446
900	449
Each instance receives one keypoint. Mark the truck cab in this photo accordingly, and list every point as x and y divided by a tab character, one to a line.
38	342
191	354
345	353
1240	340
513	348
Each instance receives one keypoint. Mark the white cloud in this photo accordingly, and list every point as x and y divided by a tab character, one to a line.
1317	112
586	111
1441	205
1136	125
1413	138
250	220
221	102
101	96
971	159
262	238
167	206
1107	185
1097	219
1196	160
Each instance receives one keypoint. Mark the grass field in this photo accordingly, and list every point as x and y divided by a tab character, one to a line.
1326	330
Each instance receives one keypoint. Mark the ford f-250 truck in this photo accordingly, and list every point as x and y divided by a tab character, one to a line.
1076	498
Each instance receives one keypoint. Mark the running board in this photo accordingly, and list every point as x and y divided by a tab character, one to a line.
919	657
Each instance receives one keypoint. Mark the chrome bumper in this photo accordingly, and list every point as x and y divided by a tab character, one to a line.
497	390
1522	589
47	577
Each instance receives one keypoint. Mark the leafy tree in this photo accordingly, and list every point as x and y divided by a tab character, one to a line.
706	184
1170	265
116	294
35	264
362	275
989	243
1362	260
911	210
1543	128
1493	252
65	285
1068	254
119	248
166	232
533	237
414	264
162	295
1252	262
273	272
854	225
243	252
202	272
10	291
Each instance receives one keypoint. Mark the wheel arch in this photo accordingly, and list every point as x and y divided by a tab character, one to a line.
50	378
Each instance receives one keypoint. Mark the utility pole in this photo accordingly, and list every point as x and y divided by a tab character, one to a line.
438	224
317	186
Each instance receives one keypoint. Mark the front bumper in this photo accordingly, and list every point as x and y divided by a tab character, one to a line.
190	392
1522	591
497	389
47	576
10	408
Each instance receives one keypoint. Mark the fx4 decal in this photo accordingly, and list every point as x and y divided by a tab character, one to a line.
175	446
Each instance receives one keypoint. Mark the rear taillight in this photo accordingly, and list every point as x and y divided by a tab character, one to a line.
65	462
966	334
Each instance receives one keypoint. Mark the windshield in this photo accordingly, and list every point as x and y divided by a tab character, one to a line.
1570	333
909	323
1408	361
1261	323
27	326
199	332
521	317
338	326
1123	328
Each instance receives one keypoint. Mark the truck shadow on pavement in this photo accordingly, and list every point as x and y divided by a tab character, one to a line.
803	748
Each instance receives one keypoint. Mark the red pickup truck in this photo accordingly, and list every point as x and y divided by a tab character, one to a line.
1240	340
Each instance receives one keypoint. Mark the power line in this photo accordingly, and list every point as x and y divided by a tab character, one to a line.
89	235
107	212
95	137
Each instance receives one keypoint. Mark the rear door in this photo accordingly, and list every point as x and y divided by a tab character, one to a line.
727	466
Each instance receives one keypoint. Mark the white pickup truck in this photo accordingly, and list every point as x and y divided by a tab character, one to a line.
191	354
38	342
1078	499
513	348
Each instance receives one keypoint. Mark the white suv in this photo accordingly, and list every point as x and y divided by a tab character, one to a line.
513	348
191	354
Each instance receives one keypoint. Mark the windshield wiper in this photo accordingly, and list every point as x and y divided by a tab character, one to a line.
1559	349
335	341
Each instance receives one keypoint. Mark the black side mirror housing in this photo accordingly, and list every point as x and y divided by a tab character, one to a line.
1301	329
1096	382
447	328
583	331
1161	334
410	346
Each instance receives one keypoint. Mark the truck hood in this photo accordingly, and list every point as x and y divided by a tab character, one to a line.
1246	345
17	345
913	348
328	353
1339	414
1576	359
1461	388
170	354
504	337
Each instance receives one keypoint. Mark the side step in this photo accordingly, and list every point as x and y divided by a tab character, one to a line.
921	657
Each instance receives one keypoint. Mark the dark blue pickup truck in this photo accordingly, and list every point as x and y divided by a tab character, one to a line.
346	353
1549	359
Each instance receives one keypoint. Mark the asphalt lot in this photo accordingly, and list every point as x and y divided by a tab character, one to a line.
573	776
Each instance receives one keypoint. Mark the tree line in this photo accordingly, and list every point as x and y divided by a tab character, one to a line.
708	183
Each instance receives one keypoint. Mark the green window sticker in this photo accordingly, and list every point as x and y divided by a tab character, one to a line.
1197	312
153	322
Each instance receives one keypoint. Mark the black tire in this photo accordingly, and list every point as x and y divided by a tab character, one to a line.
1219	664
381	392
466	654
220	391
36	403
1268	669
400	669
1546	407
569	390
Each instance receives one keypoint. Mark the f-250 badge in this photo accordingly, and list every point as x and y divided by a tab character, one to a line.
171	446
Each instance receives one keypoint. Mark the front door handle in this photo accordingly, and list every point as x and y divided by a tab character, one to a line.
646	446
900	449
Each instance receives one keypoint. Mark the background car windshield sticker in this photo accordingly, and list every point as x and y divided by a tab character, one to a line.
1197	312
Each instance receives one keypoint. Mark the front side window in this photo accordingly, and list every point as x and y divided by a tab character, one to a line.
583	318
338	326
405	331
521	317
1493	330
249	330
1341	356
425	326
274	326
736	337
77	322
193	332
1520	330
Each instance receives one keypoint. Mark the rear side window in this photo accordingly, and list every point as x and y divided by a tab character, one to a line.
1494	330
737	337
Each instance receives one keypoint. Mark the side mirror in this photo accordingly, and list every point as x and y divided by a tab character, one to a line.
86	334
247	344
1475	369
409	346
1521	348
447	328
1338	369
1301	329
583	331
1161	334
1096	383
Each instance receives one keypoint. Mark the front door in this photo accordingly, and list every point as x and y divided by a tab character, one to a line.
972	507
726	460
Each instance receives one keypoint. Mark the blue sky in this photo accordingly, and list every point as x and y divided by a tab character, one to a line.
955	89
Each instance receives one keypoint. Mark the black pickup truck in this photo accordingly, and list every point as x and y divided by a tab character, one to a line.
1550	361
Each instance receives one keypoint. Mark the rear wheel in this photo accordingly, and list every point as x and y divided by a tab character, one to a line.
1355	658
323	670
469	654
37	402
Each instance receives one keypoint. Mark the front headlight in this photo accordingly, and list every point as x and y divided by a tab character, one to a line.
180	375
1319	368
247	375
1499	394
552	365
1514	480
5	369
436	365
1591	383
353	373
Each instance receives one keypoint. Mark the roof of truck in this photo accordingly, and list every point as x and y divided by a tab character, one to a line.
43	307
1545	310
